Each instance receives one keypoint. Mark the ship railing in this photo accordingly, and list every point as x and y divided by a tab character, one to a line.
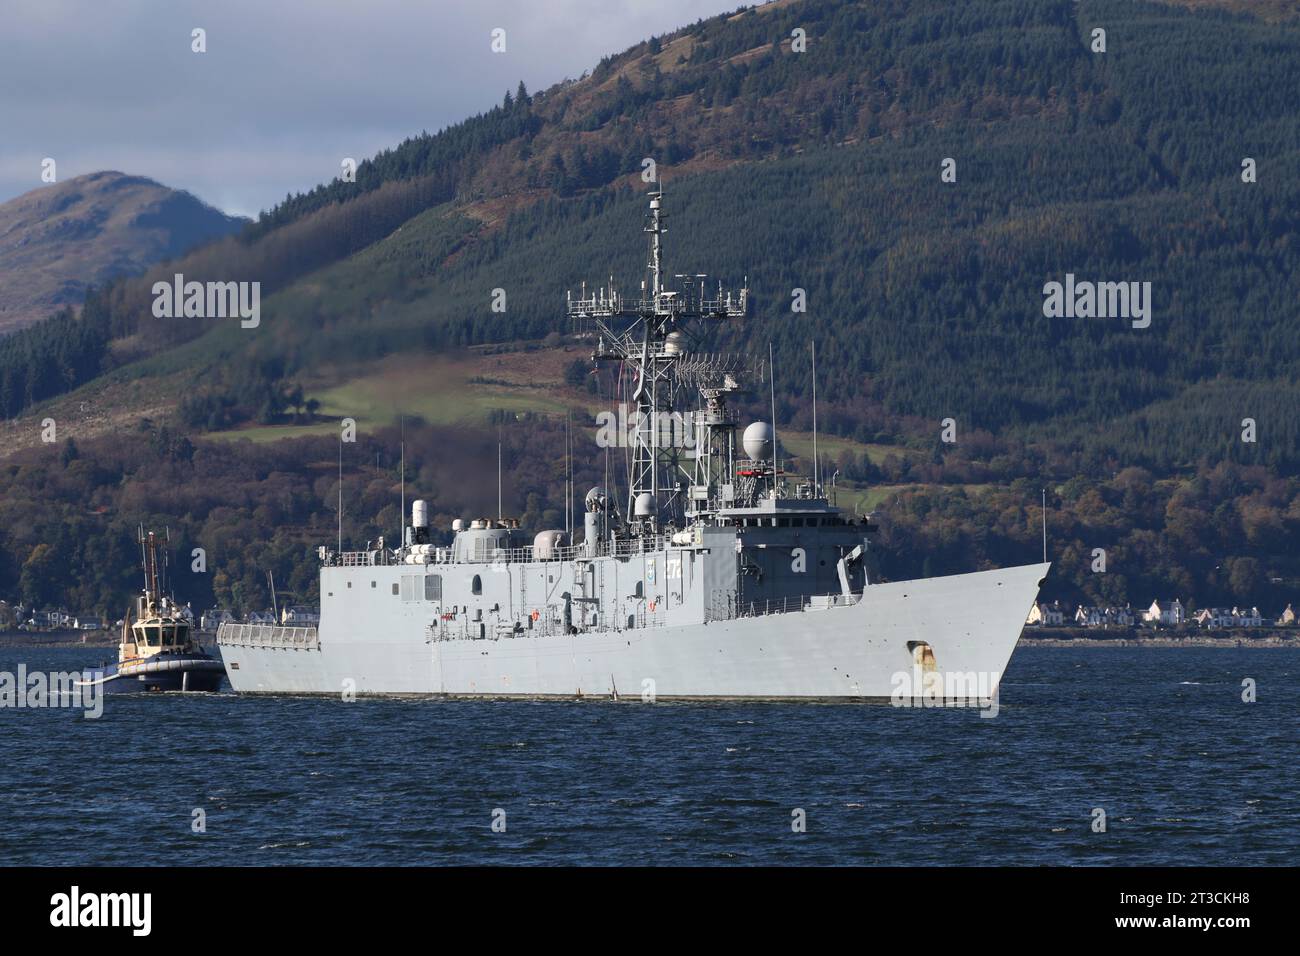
643	545
267	635
786	605
354	559
622	547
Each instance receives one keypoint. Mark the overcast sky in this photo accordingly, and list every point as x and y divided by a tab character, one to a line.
286	89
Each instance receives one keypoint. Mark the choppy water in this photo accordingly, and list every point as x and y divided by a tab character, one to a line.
1158	737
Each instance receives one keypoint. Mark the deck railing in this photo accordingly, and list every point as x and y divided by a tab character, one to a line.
622	548
266	635
801	602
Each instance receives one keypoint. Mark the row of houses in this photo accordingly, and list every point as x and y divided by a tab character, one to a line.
57	619
18	616
1168	612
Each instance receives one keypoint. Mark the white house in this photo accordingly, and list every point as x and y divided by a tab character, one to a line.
1229	617
213	618
1247	618
1288	616
1051	615
300	616
1169	612
1089	616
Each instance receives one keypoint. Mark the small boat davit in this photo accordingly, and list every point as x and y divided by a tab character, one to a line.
158	650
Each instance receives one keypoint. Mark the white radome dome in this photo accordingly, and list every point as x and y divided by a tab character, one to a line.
758	441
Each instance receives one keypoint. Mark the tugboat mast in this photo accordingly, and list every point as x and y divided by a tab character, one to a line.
154	577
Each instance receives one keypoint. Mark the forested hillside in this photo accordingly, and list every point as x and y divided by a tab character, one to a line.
820	171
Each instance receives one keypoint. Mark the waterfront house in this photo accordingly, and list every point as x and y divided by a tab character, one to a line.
214	617
1168	612
301	617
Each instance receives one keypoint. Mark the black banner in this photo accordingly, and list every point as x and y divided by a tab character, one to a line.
941	907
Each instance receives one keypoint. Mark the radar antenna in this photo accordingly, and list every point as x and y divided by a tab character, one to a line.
647	337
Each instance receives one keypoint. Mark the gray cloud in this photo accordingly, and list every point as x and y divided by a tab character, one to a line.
287	87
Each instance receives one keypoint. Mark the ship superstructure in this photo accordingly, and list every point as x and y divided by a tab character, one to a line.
719	575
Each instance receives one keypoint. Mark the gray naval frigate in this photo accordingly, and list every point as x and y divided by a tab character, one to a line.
722	576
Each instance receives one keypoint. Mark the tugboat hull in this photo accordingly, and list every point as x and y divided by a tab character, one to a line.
163	672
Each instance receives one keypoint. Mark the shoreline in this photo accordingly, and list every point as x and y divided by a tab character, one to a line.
1137	637
92	639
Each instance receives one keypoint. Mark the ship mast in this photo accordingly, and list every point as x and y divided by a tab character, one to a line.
149	555
647	336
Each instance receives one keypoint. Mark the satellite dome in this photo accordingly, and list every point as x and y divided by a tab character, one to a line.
644	507
758	441
546	545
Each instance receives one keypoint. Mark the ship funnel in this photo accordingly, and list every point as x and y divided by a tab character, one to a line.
419	514
758	441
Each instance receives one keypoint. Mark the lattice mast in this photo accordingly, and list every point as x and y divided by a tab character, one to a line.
647	336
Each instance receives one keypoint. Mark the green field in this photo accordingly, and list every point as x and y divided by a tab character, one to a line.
438	389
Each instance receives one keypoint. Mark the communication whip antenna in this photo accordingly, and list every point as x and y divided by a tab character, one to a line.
817	479
402	522
771	364
1044	526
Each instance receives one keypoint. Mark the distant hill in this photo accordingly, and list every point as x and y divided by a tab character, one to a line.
818	171
821	171
58	240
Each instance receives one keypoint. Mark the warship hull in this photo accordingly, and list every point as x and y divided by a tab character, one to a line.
873	646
